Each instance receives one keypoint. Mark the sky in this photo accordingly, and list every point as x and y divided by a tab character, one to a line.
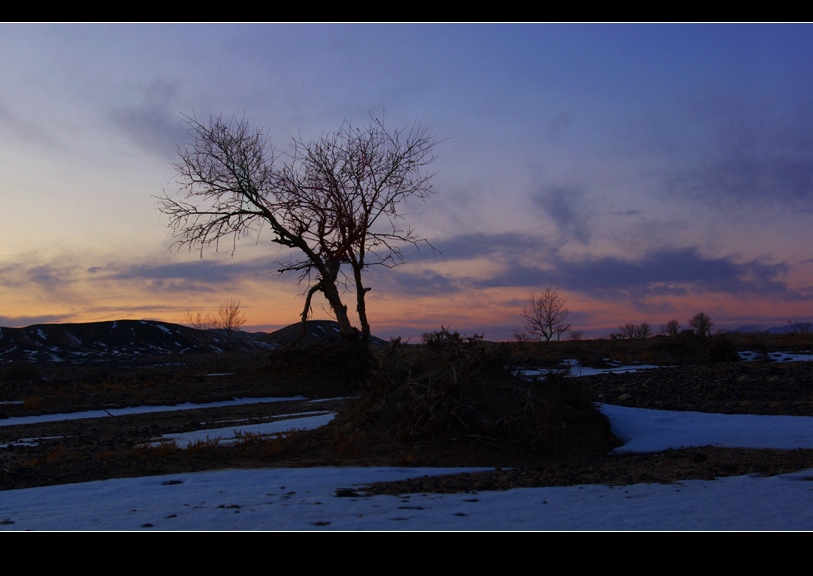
305	499
649	171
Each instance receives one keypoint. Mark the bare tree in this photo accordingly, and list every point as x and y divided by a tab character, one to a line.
799	327
632	331
627	331
334	202
228	318
671	328
199	320
643	331
546	315
701	324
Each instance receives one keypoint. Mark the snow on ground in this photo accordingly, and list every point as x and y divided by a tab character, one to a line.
302	421
137	410
331	498
616	367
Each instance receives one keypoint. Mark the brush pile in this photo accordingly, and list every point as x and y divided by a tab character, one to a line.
459	392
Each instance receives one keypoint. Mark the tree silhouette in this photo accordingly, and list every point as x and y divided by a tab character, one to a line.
334	202
701	324
228	319
545	315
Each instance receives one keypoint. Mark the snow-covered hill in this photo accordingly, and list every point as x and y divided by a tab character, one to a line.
92	342
102	342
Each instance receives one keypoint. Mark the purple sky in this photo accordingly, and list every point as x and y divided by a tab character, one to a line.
650	171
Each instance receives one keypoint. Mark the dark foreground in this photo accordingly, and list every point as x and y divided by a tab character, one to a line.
70	451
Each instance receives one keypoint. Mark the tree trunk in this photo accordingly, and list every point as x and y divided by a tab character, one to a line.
333	297
361	307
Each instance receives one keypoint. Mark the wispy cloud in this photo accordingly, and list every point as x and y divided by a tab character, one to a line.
523	262
567	208
753	152
24	321
155	124
676	272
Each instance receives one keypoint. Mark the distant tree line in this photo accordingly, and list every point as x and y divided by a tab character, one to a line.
546	316
700	324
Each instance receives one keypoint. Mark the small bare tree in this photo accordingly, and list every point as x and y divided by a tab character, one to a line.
334	203
799	327
701	324
671	328
228	318
643	331
632	331
546	315
627	331
199	320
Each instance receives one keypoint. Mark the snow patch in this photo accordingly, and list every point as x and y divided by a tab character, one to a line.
229	435
164	328
750	355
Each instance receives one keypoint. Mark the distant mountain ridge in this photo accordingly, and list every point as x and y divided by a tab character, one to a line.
100	342
785	329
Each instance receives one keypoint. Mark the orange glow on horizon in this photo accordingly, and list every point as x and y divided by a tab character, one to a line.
494	312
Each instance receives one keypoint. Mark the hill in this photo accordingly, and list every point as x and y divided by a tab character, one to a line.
796	327
128	340
315	331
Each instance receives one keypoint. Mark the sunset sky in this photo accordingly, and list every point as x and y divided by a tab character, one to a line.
649	171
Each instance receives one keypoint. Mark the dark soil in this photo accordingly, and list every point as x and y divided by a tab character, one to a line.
68	451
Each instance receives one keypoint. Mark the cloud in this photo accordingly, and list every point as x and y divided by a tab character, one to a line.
523	260
403	282
156	125
675	271
479	244
565	205
105	312
760	151
65	277
26	131
29	271
195	276
25	321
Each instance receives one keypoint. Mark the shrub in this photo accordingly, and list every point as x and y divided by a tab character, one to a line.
722	349
162	448
202	445
458	392
443	339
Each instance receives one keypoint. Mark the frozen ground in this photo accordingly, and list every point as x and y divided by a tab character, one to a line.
311	499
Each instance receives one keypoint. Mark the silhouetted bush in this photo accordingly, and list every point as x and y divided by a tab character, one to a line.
460	392
443	339
722	349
